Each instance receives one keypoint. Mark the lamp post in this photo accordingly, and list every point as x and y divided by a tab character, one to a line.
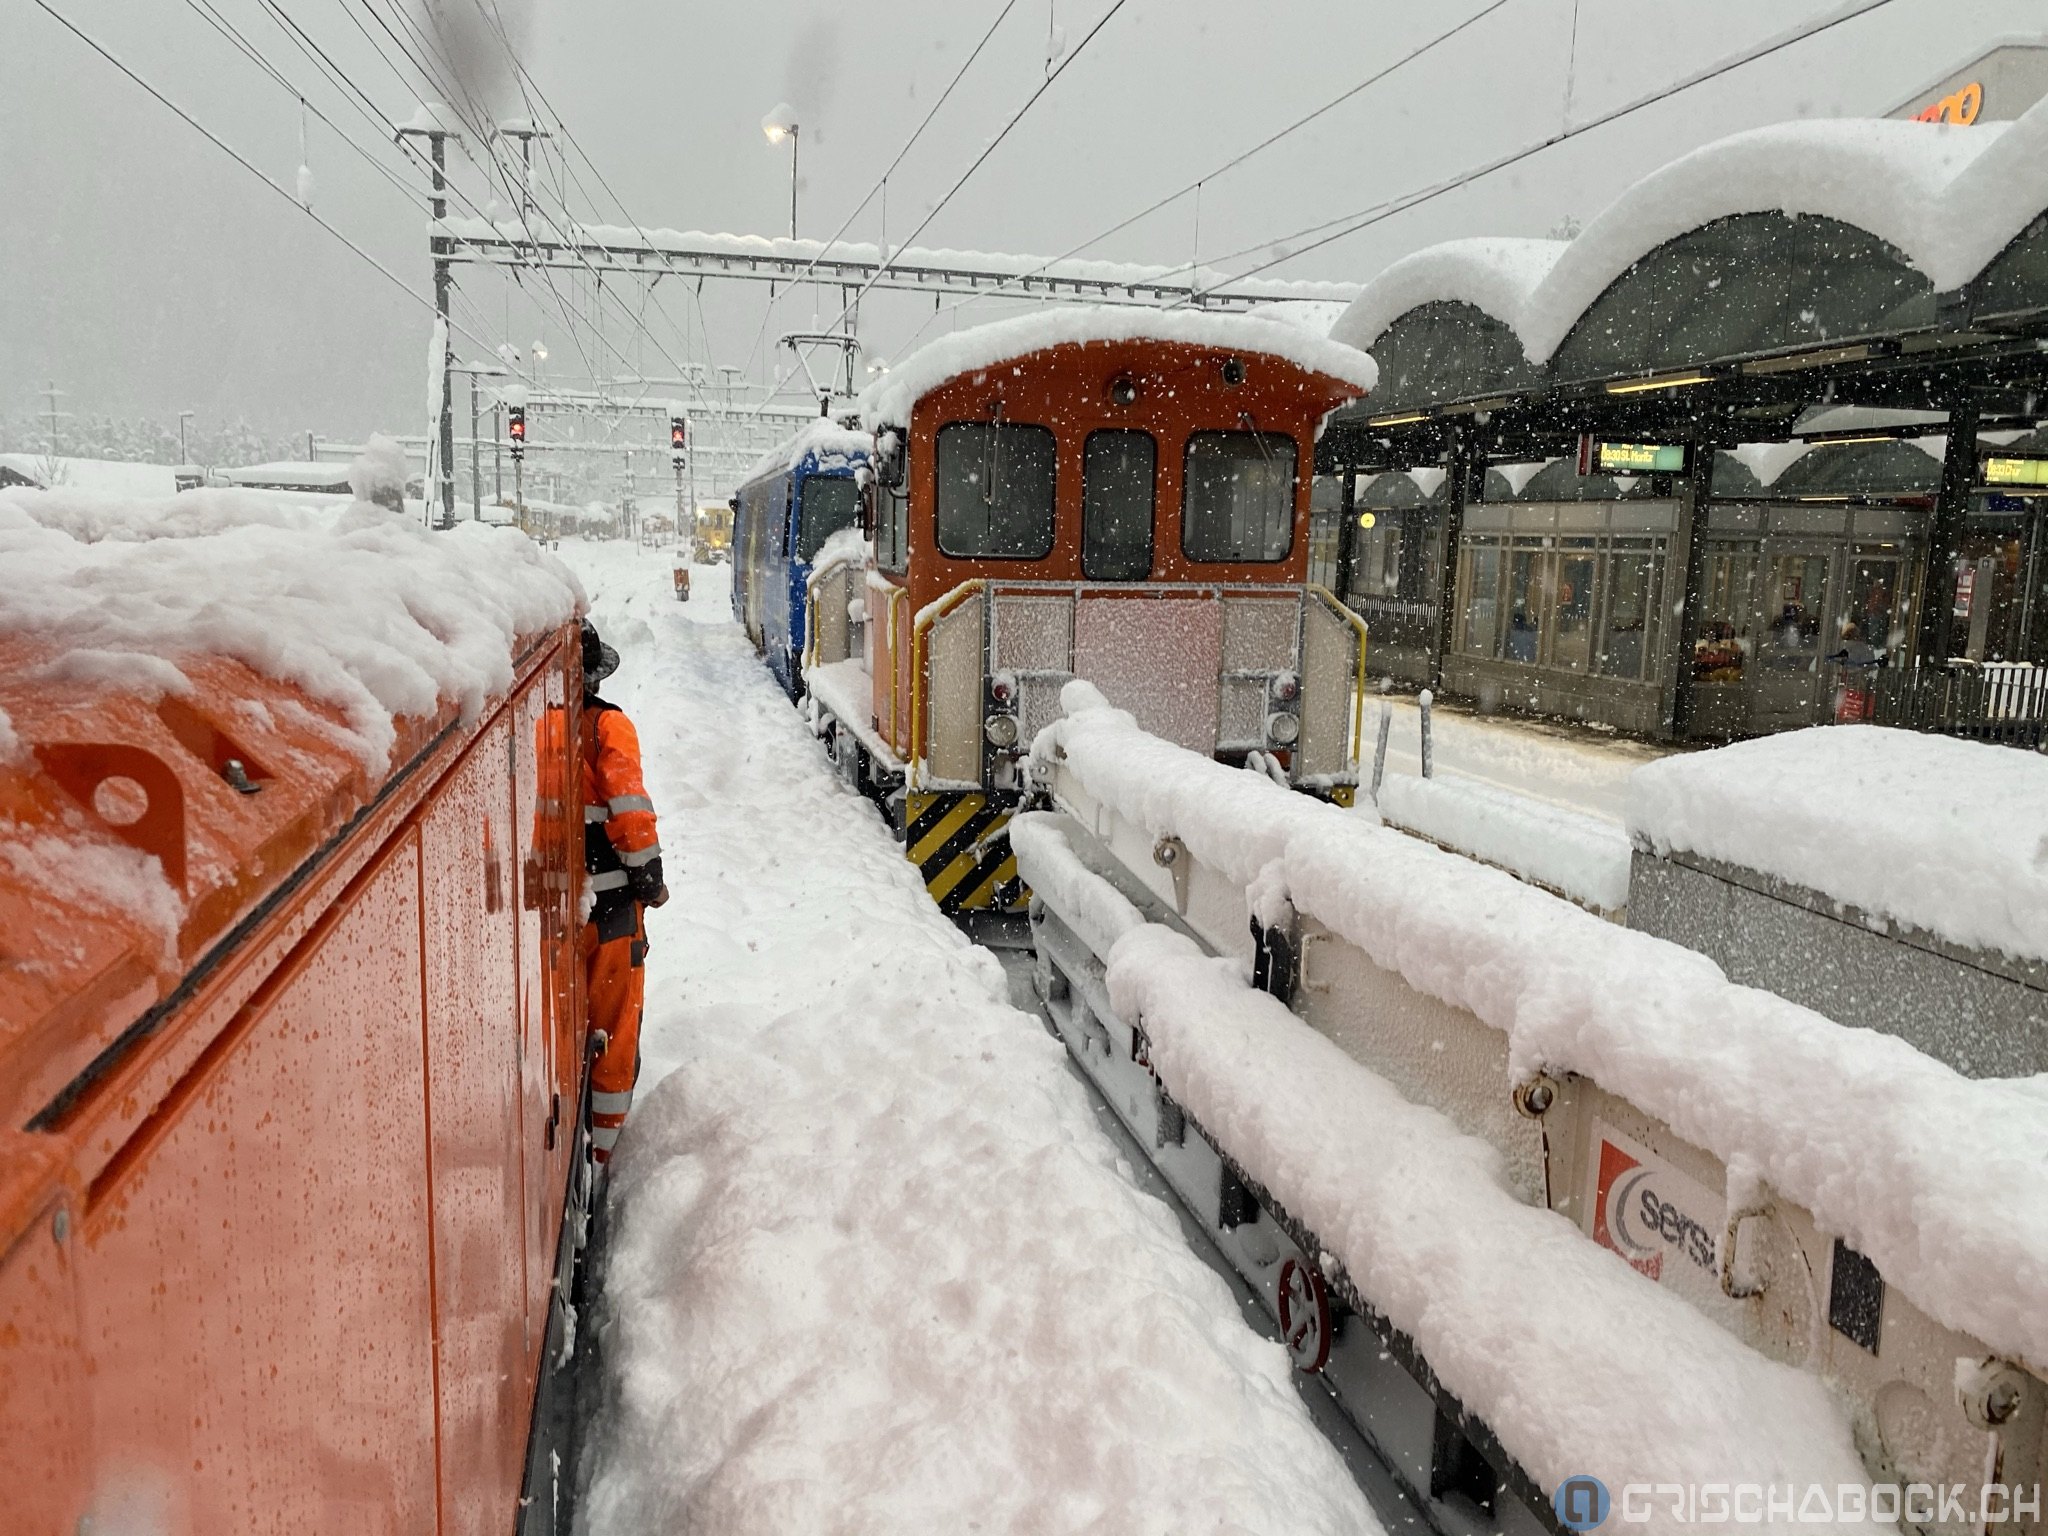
184	454
778	125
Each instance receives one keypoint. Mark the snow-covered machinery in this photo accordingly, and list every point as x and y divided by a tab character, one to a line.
291	1039
1541	1198
1121	497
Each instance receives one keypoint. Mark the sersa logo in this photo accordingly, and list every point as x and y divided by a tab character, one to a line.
1644	1209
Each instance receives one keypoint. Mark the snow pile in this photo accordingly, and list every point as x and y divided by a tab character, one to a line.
369	613
1857	1127
378	474
1233	821
1553	1341
832	446
1316	316
1578	856
1931	832
887	401
1494	276
873	1266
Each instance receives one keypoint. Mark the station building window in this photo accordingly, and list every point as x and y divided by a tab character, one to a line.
1728	599
1118	469
1587	600
995	490
830	503
1237	499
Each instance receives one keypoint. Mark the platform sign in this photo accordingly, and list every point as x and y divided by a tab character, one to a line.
1647	1211
1640	458
2012	470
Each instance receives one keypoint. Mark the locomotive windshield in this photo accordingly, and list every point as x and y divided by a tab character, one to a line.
1116	504
995	490
1237	503
830	503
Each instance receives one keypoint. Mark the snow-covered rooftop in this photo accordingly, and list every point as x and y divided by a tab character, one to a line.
887	401
291	475
107	476
1948	198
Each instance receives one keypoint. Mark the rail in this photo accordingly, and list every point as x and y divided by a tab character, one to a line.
1998	702
920	628
1336	606
897	597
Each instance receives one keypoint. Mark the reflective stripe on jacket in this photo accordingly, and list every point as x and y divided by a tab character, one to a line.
618	817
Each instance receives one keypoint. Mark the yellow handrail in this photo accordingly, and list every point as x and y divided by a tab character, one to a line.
896	595
1343	612
929	616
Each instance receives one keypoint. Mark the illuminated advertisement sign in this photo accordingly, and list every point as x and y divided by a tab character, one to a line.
1641	458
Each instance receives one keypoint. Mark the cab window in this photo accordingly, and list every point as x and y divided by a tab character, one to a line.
1237	497
1117	469
995	491
830	503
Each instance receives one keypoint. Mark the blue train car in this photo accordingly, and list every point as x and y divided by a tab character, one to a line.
797	497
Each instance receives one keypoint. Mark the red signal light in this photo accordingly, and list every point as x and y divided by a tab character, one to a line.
677	434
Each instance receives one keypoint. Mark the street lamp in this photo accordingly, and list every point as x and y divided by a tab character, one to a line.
780	124
184	455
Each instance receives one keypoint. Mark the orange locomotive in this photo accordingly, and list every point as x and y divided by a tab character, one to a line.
291	1174
1121	497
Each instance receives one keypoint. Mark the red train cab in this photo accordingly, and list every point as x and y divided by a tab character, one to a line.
1116	496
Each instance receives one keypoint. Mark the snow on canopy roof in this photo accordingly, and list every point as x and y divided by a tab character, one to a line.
833	445
1316	316
887	401
1884	177
1948	198
1494	276
289	474
1936	833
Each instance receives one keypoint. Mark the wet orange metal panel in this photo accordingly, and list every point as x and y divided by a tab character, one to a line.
45	1409
472	1041
255	1305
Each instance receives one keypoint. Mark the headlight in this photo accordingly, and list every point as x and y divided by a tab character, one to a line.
1001	731
1282	728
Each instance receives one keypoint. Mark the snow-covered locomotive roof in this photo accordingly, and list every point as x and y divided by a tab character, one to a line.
887	401
832	445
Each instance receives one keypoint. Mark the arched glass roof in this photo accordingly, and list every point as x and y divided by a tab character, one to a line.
1878	468
1756	282
2016	281
1446	351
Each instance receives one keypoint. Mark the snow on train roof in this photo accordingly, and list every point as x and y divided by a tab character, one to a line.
888	400
1947	836
1948	198
365	611
833	444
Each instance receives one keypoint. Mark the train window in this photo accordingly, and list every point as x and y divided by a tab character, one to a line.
1117	469
831	502
995	491
1237	503
892	527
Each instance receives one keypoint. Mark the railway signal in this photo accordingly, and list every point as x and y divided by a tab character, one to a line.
515	428
678	440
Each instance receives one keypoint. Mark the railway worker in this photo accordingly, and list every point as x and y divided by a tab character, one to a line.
622	860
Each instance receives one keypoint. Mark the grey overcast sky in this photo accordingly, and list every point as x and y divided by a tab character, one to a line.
145	273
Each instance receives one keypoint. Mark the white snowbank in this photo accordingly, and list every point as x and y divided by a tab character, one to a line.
1316	316
874	1268
107	477
887	401
1579	856
1939	834
836	447
1857	1127
366	612
1566	1354
1494	276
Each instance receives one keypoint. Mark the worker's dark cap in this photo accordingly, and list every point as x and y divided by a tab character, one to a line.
600	661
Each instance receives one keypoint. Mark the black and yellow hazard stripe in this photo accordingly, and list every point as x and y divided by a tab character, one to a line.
943	834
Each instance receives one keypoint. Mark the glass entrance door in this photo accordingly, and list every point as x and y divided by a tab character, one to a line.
1792	638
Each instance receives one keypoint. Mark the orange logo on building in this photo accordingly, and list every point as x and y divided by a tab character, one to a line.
1960	107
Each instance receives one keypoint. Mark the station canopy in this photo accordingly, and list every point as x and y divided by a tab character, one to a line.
1829	240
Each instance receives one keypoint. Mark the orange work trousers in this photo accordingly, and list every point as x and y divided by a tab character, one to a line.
615	979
